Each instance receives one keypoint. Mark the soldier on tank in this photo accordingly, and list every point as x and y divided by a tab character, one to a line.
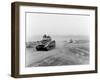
46	39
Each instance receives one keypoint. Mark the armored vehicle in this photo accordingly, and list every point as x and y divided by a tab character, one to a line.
46	44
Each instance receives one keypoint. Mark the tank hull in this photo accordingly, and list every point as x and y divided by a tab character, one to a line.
49	46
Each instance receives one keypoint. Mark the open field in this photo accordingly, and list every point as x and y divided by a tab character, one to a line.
65	53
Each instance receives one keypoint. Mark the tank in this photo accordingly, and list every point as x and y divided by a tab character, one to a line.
46	44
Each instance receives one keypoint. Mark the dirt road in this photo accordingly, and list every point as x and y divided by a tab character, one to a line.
63	54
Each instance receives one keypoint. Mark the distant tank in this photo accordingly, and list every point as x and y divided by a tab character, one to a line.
46	44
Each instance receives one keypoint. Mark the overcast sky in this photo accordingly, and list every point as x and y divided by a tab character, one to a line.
53	24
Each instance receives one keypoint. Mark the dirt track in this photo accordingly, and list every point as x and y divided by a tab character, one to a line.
63	54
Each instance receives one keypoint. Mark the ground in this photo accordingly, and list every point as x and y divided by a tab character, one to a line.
65	53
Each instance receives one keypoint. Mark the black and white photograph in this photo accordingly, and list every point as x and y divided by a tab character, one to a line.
53	39
57	39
